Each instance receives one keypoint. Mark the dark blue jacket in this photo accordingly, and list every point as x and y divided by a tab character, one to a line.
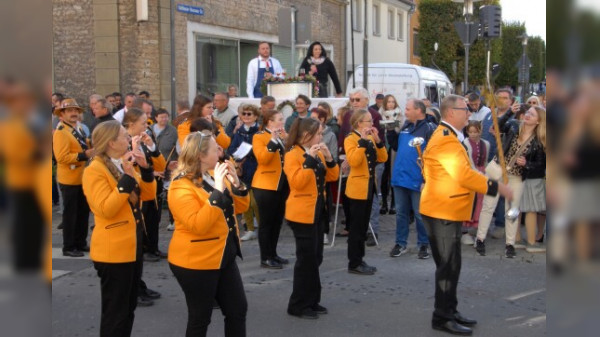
406	172
250	163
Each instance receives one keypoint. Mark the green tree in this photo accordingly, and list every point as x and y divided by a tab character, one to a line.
436	24
536	51
510	52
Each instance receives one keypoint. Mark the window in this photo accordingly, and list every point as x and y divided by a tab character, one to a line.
357	15
415	38
217	64
400	26
376	20
391	24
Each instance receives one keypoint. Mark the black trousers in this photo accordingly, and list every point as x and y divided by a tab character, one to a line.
119	288
152	213
345	203
271	207
75	217
309	256
28	228
203	287
358	226
444	239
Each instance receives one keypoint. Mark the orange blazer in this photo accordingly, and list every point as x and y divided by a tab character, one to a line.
450	181
114	237
69	154
361	164
17	148
269	156
201	225
184	129
302	201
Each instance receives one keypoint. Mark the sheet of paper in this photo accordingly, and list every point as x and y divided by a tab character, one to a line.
242	151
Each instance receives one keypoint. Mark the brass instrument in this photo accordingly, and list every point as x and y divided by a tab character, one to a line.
416	143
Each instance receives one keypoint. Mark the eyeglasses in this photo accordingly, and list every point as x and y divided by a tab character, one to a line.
355	99
463	109
203	135
247	113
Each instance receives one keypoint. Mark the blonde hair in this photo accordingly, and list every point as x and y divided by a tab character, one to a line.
188	164
103	134
356	117
540	130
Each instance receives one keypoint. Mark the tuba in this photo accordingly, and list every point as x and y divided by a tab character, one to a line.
416	143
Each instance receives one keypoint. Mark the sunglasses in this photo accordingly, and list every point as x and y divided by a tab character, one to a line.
247	114
355	99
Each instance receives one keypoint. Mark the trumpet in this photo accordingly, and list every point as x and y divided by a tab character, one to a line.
416	143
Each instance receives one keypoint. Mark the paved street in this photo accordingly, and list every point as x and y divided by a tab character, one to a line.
508	297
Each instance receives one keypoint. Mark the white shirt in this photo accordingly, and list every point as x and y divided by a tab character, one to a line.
480	115
253	72
119	115
118	163
459	134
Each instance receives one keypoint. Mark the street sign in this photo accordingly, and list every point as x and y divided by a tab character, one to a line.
461	29
190	9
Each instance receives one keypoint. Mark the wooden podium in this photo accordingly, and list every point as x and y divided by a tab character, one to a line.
290	90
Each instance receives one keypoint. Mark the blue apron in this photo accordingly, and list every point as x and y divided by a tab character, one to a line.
260	76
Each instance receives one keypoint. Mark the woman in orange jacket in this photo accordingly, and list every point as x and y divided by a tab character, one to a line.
364	149
115	183
202	108
308	166
270	186
204	197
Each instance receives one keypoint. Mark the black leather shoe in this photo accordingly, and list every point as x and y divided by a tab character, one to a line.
319	309
392	211
151	257
60	226
306	314
383	210
453	328
85	248
364	264
460	319
144	302
361	270
281	260
271	264
161	254
73	253
150	294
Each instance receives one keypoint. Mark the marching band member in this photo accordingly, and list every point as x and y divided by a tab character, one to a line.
202	108
270	186
204	197
364	149
308	166
115	183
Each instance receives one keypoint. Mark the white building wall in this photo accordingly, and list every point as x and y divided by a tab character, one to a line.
383	47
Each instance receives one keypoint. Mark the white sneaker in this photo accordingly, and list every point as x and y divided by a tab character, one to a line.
249	235
171	227
325	239
467	239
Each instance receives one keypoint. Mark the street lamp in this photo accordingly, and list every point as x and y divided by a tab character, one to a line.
524	66
467	34
435	49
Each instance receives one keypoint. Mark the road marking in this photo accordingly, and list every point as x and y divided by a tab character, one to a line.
525	294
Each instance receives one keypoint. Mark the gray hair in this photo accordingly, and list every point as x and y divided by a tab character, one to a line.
358	90
448	103
105	104
224	94
96	97
419	105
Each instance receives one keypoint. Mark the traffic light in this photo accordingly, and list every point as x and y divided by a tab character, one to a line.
490	21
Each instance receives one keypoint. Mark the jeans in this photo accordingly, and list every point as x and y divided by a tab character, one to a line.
406	200
376	206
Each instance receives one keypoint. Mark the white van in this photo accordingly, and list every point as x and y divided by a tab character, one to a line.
404	81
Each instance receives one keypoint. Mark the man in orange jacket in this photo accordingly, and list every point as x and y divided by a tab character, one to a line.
447	201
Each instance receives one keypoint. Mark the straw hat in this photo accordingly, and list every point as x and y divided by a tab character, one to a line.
65	104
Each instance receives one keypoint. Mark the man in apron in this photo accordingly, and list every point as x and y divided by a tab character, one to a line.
264	66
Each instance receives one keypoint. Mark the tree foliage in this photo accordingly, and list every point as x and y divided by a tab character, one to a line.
436	24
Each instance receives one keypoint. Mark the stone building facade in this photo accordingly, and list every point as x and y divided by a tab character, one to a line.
99	46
